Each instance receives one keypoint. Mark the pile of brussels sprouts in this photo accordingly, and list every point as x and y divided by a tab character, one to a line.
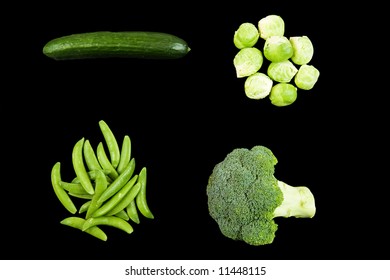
288	69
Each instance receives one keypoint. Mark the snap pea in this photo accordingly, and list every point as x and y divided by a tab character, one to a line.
125	155
79	167
119	182
73	187
123	215
84	207
132	212
126	200
111	142
100	187
75	181
80	195
77	222
105	162
90	157
141	196
92	176
112	221
59	191
115	199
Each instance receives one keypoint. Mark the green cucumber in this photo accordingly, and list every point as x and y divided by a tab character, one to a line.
126	44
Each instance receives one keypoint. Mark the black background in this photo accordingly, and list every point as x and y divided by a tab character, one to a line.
183	116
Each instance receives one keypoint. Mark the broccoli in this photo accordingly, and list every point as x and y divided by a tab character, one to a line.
244	197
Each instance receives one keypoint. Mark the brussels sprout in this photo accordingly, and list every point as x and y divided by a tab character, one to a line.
258	85
303	50
283	94
278	48
248	61
306	77
272	25
282	72
246	35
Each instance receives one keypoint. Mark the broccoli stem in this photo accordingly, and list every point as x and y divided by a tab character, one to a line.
297	202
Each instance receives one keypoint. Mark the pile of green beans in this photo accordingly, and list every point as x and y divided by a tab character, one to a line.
113	194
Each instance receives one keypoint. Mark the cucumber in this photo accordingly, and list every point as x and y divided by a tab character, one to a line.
126	44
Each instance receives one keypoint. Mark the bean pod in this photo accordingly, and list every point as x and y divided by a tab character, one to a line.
61	194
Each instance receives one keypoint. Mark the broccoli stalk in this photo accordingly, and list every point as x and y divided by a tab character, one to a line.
297	202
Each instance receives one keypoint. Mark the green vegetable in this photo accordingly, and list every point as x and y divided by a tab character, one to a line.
111	142
92	175
90	157
284	58
303	50
258	86
283	94
81	195
100	186
282	72
127	44
278	48
244	197
306	77
129	197
77	222
248	61
73	187
118	183
111	221
140	200
61	194
84	207
246	35
272	25
79	168
132	212
105	161
113	201
123	215
125	154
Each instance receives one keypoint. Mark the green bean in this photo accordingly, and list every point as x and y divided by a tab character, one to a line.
119	182
115	199
125	154
112	221
105	162
111	142
126	200
90	157
59	191
101	185
140	199
82	196
132	212
84	207
73	187
123	215
77	222
79	168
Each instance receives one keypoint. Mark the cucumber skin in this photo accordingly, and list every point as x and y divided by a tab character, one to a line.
126	44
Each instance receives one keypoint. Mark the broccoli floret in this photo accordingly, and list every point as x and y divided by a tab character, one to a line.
244	196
